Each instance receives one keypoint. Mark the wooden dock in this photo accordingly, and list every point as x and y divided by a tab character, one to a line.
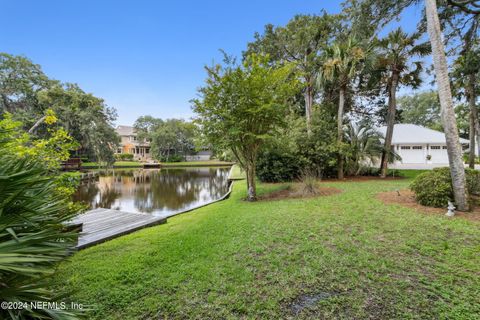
150	165
100	225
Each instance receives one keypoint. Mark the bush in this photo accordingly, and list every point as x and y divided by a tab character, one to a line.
124	156
292	150
434	188
466	156
278	166
473	181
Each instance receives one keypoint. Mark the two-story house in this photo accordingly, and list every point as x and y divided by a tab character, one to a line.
131	144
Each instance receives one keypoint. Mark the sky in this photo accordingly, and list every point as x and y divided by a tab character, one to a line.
143	57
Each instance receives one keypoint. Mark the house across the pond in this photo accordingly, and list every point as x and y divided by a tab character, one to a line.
419	145
130	143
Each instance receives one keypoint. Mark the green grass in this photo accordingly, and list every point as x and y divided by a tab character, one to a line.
135	164
237	173
410	174
236	259
197	163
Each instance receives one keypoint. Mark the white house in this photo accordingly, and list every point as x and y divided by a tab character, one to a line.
419	145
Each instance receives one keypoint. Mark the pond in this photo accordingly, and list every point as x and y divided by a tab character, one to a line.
155	191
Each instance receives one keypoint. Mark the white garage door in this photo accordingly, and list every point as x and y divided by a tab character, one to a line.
439	154
412	154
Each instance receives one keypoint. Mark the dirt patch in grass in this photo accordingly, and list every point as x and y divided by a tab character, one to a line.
406	198
305	301
297	192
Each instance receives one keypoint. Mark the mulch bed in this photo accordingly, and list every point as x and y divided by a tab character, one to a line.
406	198
362	178
296	192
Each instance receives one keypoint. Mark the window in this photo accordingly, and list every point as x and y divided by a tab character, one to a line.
119	150
435	147
405	147
444	147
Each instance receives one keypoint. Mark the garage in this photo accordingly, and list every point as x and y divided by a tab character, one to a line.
412	154
438	154
413	143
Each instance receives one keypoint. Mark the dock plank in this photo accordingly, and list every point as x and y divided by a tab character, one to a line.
101	224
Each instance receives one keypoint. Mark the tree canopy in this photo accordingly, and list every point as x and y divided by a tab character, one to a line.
170	139
27	93
241	106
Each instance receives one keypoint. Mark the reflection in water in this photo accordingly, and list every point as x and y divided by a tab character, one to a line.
155	191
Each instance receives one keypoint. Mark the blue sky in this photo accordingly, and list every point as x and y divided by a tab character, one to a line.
142	57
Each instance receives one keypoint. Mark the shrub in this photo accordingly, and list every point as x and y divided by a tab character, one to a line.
466	156
124	156
434	188
278	166
473	181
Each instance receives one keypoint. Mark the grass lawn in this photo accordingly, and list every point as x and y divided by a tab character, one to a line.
134	164
124	164
209	163
237	173
348	254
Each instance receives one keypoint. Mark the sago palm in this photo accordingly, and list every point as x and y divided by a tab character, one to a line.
32	236
364	147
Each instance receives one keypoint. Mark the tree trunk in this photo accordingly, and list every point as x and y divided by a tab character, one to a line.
473	119
252	188
35	126
454	149
341	105
308	104
392	107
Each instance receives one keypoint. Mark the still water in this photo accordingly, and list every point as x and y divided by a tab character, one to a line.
155	191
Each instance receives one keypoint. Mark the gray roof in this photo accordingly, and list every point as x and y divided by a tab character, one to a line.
411	133
126	131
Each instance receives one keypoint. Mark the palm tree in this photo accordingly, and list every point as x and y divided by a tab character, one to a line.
343	61
454	149
395	51
365	146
